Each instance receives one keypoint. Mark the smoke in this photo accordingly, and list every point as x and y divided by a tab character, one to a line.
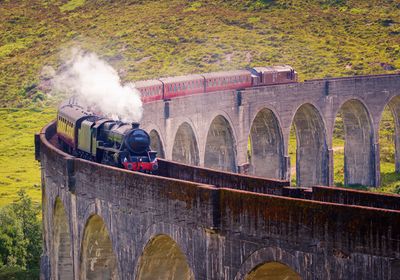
97	85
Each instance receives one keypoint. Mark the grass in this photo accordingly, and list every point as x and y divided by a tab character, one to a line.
18	168
145	39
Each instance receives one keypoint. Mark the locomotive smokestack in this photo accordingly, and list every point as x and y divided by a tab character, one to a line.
135	125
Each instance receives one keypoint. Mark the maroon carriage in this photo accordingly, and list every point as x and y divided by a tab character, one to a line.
150	90
182	85
228	80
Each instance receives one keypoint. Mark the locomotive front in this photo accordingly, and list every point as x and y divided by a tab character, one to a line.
139	157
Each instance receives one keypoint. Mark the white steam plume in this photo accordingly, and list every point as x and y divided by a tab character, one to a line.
97	85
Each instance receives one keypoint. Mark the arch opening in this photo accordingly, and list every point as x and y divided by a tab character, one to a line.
273	271
338	150
163	259
220	146
292	154
63	268
386	141
98	260
156	144
358	165
185	148
311	148
389	141
394	106
266	148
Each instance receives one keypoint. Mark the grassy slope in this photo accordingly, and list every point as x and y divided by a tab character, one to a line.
18	169
145	39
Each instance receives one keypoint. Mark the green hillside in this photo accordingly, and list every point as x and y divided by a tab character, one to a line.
144	39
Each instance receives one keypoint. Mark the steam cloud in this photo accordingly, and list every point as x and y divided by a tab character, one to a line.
97	85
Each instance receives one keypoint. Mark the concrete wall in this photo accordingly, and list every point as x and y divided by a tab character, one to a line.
222	122
117	219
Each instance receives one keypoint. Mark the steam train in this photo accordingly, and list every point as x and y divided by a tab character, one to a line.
88	136
168	88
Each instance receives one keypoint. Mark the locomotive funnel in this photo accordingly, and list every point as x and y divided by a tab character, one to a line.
135	125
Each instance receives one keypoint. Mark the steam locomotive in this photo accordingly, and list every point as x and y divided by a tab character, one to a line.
172	87
88	136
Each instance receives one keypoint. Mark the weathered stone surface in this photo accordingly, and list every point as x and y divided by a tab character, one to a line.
223	124
122	225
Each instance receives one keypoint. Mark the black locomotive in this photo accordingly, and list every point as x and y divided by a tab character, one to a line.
86	135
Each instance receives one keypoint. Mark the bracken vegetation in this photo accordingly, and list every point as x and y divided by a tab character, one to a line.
146	39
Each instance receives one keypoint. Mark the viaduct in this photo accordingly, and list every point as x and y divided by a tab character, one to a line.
212	130
192	222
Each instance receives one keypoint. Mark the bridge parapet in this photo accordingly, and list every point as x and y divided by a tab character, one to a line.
212	232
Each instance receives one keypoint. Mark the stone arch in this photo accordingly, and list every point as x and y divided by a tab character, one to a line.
185	148
359	163
156	143
98	260
312	150
62	253
163	259
262	262
394	105
272	270
267	145
220	148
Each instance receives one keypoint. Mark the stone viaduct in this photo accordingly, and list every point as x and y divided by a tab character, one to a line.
212	130
195	223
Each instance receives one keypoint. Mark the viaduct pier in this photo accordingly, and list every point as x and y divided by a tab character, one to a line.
212	130
191	222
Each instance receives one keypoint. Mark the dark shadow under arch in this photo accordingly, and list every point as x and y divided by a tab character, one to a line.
311	150
358	149
220	146
185	147
63	268
163	259
394	105
266	146
156	144
98	260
